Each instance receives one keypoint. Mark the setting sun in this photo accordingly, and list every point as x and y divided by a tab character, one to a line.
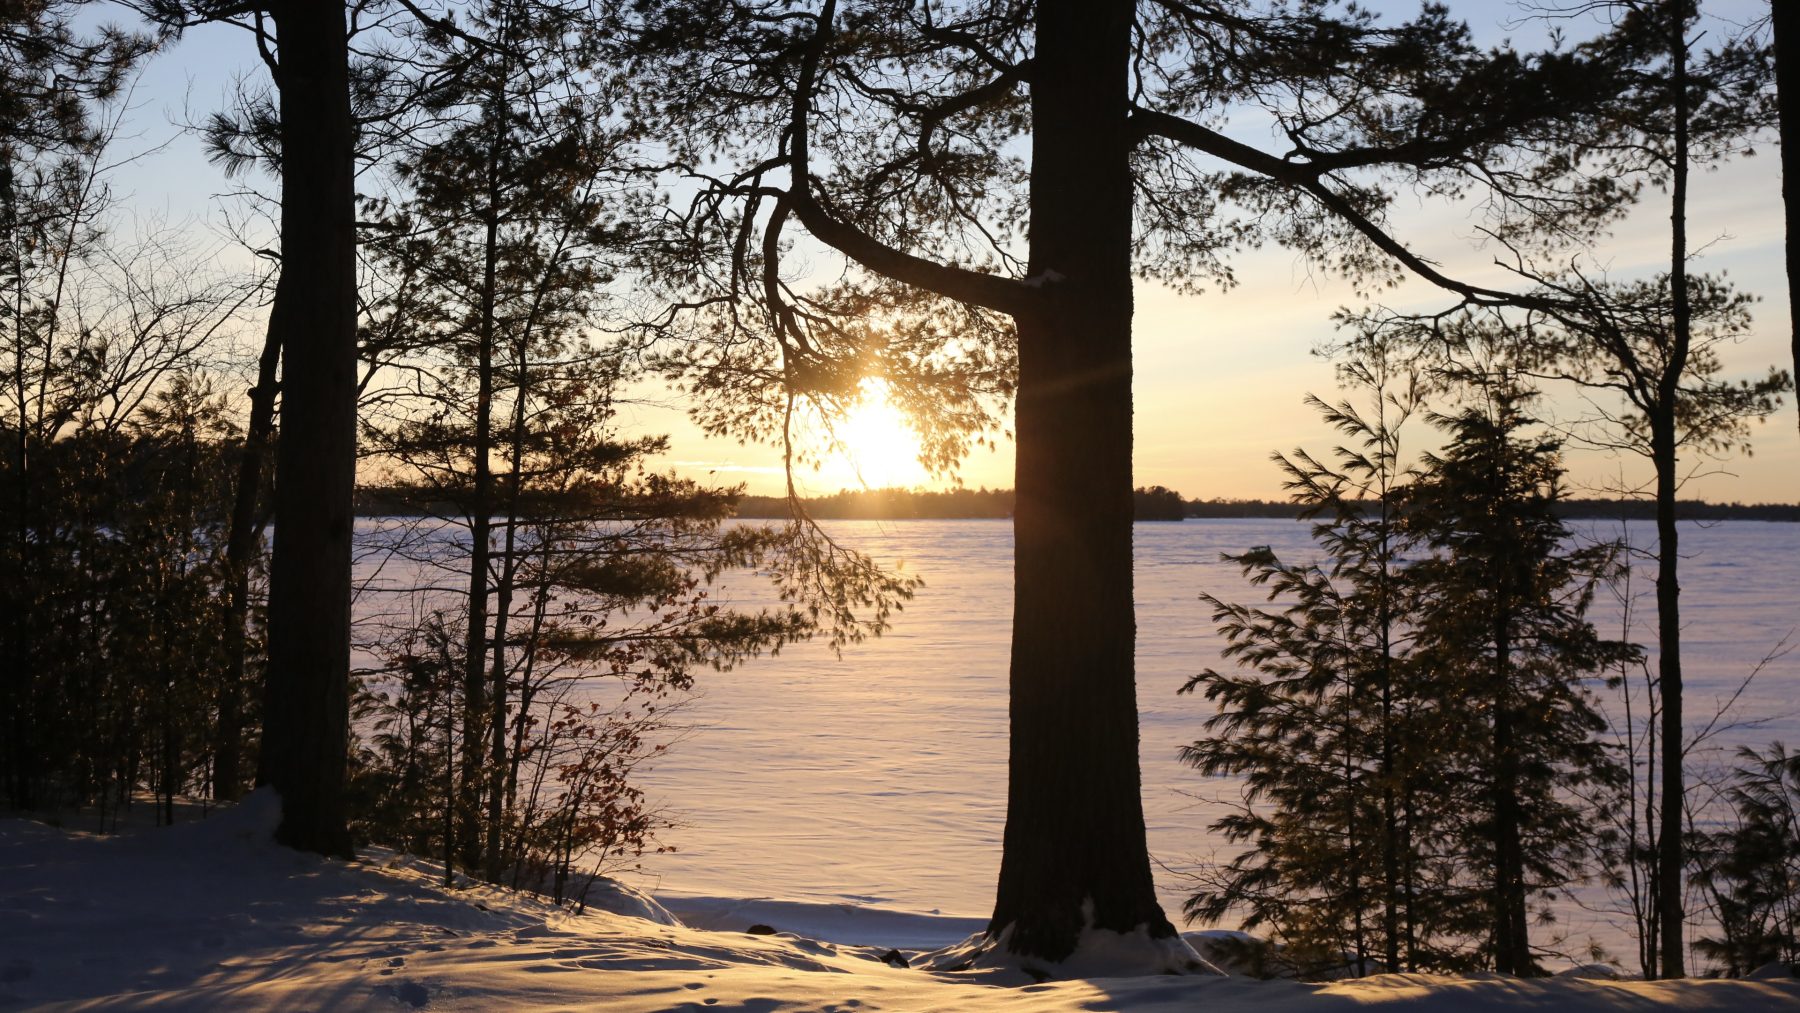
879	448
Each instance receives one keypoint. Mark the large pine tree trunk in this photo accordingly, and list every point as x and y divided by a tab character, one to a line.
1074	849
1784	16
306	704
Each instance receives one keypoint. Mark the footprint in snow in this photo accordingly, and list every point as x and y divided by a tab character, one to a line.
409	992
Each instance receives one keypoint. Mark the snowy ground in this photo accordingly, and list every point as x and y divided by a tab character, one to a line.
210	915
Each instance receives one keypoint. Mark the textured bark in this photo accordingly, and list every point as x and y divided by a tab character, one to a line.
1074	848
1784	16
306	703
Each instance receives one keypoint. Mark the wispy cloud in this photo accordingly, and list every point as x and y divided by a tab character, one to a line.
755	469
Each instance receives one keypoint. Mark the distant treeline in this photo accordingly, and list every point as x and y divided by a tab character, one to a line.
1153	503
888	504
387	501
1571	509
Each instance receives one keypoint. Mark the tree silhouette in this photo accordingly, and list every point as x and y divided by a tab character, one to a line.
1502	617
996	172
1336	732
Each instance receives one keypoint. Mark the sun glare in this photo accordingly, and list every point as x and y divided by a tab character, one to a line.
880	448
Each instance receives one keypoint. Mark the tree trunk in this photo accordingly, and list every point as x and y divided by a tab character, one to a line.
1651	946
1074	853
1353	857
306	703
240	548
481	519
1672	854
1785	20
1512	944
1390	819
1409	882
16	662
500	770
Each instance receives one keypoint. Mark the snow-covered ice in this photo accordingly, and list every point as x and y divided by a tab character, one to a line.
877	780
213	916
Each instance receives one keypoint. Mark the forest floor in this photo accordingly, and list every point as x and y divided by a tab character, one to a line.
210	915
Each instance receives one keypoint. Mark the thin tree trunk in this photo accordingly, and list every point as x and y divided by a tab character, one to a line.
503	772
307	701
1390	820
1353	849
527	692
16	696
240	549
1409	883
1074	851
499	770
1652	830
1639	819
1512	951
1668	589
1671	856
475	710
449	813
1512	943
475	721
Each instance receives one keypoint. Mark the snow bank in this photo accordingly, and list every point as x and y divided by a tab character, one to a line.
1099	953
211	916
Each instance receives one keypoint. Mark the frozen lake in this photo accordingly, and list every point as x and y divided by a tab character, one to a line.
879	778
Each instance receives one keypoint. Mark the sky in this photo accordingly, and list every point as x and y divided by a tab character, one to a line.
1218	378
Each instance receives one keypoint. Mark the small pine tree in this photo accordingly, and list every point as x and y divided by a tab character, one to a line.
1501	623
1327	728
1750	871
1411	734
